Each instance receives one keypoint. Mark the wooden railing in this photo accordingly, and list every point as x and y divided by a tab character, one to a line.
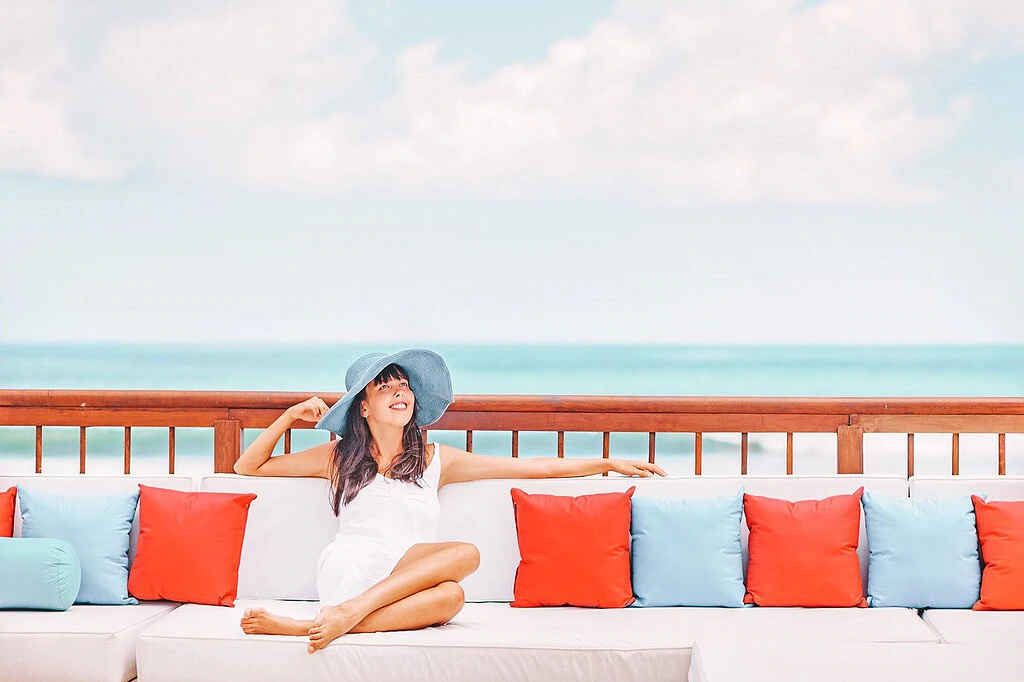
229	413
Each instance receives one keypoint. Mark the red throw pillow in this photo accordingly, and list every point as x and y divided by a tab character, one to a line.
7	499
189	546
575	550
804	553
1001	534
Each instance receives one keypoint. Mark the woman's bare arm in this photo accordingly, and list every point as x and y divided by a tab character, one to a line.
257	460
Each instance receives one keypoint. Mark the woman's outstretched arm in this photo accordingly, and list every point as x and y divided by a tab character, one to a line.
257	460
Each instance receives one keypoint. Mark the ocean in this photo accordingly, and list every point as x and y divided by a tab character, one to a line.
654	370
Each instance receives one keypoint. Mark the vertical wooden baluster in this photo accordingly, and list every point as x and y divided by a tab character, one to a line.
561	443
469	441
910	455
956	454
81	449
850	449
650	447
170	450
698	453
1002	454
287	441
606	448
789	454
228	442
515	443
744	449
127	450
39	449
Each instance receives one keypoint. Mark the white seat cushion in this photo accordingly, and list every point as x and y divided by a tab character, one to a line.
494	642
723	660
481	512
964	626
84	643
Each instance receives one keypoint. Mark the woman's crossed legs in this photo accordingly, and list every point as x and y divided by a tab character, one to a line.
422	590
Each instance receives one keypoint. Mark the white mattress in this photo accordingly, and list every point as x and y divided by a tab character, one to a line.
84	643
964	626
494	641
753	661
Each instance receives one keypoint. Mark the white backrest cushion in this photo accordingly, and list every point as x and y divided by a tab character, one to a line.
996	487
87	484
289	524
480	512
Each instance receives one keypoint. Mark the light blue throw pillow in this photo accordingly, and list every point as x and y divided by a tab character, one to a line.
39	574
97	527
923	553
687	552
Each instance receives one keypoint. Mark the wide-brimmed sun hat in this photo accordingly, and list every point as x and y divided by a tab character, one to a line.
428	378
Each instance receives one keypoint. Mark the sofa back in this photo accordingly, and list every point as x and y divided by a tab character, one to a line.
481	512
93	485
996	487
290	522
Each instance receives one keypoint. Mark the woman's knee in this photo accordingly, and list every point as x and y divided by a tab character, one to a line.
452	598
471	555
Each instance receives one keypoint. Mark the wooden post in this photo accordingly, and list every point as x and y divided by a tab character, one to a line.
850	450
227	445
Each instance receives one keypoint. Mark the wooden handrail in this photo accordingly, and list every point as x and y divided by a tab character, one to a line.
228	413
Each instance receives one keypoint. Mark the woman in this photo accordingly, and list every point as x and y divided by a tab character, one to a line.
385	570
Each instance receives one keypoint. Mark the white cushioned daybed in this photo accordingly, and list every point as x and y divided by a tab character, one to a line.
974	645
290	521
87	642
965	626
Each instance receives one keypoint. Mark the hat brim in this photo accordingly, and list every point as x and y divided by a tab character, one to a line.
429	379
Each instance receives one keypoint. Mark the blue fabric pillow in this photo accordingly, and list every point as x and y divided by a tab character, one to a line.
923	552
97	527
38	573
687	552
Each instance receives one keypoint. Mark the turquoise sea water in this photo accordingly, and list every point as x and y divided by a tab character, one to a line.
524	369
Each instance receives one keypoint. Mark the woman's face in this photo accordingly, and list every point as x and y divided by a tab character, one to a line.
389	403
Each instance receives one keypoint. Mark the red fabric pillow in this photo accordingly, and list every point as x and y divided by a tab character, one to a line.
1001	534
575	550
189	546
7	499
804	553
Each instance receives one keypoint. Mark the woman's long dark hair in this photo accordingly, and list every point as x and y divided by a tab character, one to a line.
352	467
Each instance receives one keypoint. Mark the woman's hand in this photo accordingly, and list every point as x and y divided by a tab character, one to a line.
308	410
630	468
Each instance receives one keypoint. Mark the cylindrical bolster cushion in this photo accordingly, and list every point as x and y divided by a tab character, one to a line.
38	573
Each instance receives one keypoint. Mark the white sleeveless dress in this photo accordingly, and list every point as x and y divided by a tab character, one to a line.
375	529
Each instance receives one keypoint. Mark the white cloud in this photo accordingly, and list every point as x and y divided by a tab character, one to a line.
36	101
733	101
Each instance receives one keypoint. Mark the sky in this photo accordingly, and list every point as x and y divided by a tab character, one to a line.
645	171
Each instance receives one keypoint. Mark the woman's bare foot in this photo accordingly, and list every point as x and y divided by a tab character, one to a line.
332	622
259	621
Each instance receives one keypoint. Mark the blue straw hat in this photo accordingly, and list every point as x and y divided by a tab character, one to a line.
428	378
